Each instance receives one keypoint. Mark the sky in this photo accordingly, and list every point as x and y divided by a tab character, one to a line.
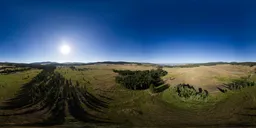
157	31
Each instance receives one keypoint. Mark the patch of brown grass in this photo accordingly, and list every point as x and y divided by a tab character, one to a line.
207	77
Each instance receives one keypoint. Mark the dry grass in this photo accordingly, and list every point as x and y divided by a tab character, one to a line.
141	109
99	77
207	77
102	77
95	78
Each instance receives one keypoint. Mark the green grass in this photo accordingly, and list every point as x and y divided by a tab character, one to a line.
141	108
222	108
95	79
9	84
171	96
222	79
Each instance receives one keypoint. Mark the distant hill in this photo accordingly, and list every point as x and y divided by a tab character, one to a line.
45	63
118	62
182	65
211	64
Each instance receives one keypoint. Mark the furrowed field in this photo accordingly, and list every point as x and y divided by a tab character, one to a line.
128	95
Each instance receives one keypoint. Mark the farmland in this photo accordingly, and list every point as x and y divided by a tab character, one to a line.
89	95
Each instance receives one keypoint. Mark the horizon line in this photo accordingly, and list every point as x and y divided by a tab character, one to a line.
129	62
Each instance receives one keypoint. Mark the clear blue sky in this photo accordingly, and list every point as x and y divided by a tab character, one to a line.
159	31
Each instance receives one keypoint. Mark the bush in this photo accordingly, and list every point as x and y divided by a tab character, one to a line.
188	91
237	84
138	80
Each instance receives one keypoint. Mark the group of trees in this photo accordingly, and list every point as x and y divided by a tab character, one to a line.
23	65
237	84
13	70
5	67
244	63
79	69
188	91
138	80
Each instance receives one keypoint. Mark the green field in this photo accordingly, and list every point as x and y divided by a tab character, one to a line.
9	84
137	108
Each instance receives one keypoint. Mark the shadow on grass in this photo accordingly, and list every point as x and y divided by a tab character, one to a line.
222	90
251	108
52	99
229	125
161	88
30	94
248	114
105	97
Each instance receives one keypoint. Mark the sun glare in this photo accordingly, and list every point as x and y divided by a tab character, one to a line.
65	49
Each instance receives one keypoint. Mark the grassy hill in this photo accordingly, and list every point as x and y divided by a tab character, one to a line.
142	108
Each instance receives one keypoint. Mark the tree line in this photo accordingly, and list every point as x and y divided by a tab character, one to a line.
139	80
79	69
13	70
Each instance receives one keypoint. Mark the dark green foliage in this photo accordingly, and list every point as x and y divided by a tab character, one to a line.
72	67
79	69
244	63
138	80
37	66
200	90
3	68
188	91
237	84
14	70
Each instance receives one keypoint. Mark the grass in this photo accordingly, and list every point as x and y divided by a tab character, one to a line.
223	78
228	108
141	108
207	77
171	96
95	79
9	84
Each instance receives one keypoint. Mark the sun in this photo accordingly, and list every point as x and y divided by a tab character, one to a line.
65	49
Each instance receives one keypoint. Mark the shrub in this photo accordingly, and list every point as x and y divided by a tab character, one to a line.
237	84
188	91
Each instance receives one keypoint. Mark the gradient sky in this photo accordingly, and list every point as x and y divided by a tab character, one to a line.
159	31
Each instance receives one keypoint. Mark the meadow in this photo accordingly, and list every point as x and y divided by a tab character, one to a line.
88	95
